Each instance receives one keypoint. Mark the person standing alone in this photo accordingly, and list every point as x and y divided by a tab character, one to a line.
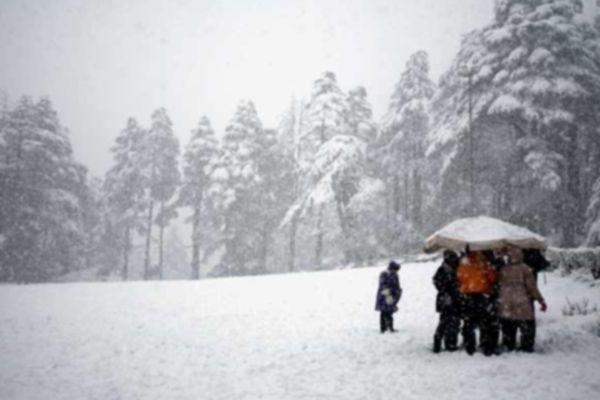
388	296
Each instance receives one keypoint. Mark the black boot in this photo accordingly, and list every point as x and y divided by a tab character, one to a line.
437	344
391	324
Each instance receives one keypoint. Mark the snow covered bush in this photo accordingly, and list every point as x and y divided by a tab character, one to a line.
584	260
582	307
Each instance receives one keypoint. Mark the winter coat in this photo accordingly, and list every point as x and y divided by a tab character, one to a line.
445	282
475	274
388	292
535	260
517	292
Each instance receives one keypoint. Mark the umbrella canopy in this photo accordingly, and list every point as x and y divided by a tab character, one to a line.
483	233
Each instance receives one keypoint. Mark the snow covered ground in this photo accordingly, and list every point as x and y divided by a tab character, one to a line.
299	336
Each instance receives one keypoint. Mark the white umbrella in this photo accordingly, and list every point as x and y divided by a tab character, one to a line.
483	233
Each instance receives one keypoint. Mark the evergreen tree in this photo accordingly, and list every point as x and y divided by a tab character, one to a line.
161	173
402	144
290	127
199	158
105	242
360	116
237	180
531	77
335	171
124	188
326	115
40	212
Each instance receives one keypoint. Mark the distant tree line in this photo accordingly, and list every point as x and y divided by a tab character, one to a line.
511	130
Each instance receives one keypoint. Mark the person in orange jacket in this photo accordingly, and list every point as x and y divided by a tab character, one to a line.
476	278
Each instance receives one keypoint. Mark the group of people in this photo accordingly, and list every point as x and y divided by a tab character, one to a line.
489	291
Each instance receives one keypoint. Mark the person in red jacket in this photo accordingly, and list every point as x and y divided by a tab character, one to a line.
476	278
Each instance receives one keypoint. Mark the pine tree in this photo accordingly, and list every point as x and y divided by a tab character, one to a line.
335	171
237	179
531	76
124	188
327	113
402	142
105	242
161	152
41	216
199	158
289	130
360	116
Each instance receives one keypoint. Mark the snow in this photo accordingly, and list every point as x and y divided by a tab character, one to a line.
544	165
498	35
338	156
500	77
539	85
583	259
517	55
505	103
220	174
297	336
541	55
568	87
482	233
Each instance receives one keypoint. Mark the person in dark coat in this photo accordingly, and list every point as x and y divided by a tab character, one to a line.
493	313
447	303
388	295
536	261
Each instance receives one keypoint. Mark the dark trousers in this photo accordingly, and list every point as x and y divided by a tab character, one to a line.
527	331
493	332
476	315
447	330
386	321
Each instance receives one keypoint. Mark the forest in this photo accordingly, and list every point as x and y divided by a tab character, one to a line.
510	130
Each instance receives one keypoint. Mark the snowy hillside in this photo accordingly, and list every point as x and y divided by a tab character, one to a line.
298	336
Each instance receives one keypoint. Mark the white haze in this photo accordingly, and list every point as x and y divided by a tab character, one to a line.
102	61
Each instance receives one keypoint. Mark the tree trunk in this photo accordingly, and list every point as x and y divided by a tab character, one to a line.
319	242
148	240
196	243
230	249
161	239
571	210
292	244
264	248
417	206
126	249
396	197
405	195
344	227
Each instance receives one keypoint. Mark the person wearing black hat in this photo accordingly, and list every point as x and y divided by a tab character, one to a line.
388	296
447	303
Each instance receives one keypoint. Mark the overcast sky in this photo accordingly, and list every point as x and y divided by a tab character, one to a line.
103	61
